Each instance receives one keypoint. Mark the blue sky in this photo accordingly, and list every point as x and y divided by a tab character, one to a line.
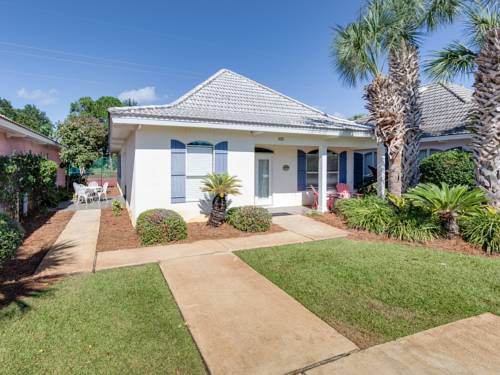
53	52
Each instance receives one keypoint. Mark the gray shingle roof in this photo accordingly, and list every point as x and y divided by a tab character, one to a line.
445	109
232	98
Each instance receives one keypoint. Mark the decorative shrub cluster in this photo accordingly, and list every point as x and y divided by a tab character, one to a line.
483	229
11	237
249	218
452	167
159	226
379	216
426	212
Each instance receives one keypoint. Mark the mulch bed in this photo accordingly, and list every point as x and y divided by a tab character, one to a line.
117	232
16	279
456	245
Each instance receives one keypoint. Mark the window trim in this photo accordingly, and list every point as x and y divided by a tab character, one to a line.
328	173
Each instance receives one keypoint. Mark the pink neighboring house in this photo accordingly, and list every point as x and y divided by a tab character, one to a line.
16	138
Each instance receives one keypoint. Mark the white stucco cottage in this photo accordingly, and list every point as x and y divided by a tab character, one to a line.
276	145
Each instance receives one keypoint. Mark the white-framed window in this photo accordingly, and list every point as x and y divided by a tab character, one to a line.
199	163
312	168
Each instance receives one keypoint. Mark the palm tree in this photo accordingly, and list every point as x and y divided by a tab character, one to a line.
221	185
357	55
448	203
481	56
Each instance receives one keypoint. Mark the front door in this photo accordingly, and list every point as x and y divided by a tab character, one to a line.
263	194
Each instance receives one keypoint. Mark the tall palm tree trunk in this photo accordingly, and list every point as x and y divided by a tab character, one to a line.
386	111
404	72
486	117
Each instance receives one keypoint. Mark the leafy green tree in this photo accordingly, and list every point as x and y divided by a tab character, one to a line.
30	116
7	109
83	140
129	103
96	108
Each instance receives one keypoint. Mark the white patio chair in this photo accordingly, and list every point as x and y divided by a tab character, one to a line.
81	192
103	191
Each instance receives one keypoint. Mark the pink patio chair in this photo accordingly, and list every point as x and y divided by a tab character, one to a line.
343	190
315	198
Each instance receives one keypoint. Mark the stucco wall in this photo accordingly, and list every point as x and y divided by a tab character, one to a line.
24	145
146	173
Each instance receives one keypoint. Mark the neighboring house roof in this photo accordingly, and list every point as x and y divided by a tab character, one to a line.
445	109
228	97
16	129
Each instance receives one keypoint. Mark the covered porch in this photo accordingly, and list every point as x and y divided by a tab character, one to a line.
288	177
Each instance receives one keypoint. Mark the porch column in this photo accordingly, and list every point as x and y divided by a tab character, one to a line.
322	176
350	169
381	169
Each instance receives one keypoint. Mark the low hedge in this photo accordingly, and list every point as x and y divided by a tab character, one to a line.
11	237
159	226
249	218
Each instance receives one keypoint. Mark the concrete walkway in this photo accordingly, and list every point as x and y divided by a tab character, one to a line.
298	229
468	346
243	323
74	250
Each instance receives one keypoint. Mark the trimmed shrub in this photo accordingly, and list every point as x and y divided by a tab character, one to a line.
483	229
249	218
453	167
159	226
11	237
369	213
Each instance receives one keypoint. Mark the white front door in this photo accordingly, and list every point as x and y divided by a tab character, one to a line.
263	195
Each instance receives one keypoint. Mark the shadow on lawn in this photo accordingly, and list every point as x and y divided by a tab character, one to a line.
18	282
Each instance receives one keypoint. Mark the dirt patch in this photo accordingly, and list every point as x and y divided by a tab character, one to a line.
16	279
456	245
117	232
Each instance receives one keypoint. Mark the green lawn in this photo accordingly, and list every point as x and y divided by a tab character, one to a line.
115	322
375	292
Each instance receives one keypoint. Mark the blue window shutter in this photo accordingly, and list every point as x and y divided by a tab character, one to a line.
178	171
358	169
343	167
301	170
221	157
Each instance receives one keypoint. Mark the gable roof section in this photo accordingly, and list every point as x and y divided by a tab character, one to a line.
11	127
228	97
445	109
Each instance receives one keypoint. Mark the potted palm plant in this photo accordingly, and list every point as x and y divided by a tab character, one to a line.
221	185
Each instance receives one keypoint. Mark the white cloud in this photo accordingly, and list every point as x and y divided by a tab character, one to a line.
38	96
146	95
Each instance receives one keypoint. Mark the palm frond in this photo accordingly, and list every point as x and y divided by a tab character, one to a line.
454	60
440	12
354	54
481	17
221	184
